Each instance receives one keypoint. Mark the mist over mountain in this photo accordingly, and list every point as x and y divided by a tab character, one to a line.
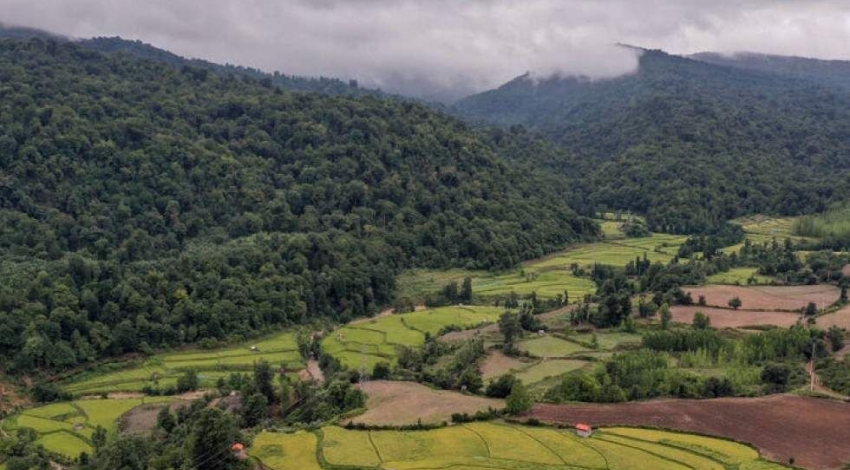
688	142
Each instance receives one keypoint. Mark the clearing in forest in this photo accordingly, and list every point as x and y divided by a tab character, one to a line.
658	247
404	403
163	370
499	446
813	431
377	340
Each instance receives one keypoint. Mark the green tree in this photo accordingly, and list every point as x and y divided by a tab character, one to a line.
666	316
264	380
466	290
735	302
701	321
835	335
510	328
519	400
213	434
381	371
188	381
811	309
254	410
98	437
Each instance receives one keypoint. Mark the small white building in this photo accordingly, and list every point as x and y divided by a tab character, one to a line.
584	430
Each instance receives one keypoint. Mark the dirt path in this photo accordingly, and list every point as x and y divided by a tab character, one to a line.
315	371
814	431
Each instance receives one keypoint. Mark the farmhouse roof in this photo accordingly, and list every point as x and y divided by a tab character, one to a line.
238	447
583	427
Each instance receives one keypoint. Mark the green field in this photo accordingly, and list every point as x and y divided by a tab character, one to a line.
376	340
66	428
657	248
548	369
763	229
739	276
497	446
550	346
549	283
163	369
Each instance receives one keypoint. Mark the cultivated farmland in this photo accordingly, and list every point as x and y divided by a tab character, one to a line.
377	340
728	318
657	248
162	370
739	276
498	446
788	298
401	403
815	432
66	428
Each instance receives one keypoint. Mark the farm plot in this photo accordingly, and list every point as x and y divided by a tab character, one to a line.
739	276
377	340
401	403
657	248
812	431
788	298
841	319
499	446
66	428
727	318
550	346
162	370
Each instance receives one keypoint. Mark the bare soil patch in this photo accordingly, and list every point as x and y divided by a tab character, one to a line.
840	319
496	364
815	432
142	419
727	318
315	371
400	403
845	271
767	297
466	335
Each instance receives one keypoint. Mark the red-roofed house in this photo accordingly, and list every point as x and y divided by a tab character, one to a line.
239	451
584	430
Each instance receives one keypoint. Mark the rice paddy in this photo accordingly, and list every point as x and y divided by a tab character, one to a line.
498	446
67	428
163	370
659	247
377	340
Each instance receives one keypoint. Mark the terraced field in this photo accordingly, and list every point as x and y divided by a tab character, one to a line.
550	283
163	370
66	428
377	340
658	247
497	446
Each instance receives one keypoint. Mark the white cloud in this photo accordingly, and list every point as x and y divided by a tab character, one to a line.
447	48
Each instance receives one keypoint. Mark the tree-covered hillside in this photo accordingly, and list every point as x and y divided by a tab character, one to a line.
828	73
143	205
686	142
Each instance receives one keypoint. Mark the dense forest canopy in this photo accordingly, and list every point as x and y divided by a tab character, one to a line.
686	142
145	205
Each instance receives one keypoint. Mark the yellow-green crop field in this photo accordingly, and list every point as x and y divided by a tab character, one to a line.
549	283
657	248
66	428
739	276
497	446
376	340
164	369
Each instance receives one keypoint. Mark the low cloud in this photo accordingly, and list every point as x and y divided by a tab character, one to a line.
445	49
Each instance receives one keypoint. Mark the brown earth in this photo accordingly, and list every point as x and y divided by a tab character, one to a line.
496	364
788	298
727	318
845	271
840	319
815	432
142	419
315	371
400	403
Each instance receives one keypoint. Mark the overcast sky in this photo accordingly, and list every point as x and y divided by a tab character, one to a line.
447	48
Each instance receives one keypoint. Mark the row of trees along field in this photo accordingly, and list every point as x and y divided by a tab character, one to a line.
144	205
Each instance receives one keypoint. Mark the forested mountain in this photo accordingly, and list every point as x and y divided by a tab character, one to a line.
144	205
686	142
828	73
141	50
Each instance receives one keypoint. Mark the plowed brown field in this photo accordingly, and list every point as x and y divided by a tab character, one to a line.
726	318
815	432
767	297
400	403
840	319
